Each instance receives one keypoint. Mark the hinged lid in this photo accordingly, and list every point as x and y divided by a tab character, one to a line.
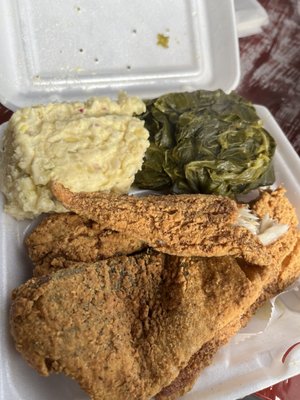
65	50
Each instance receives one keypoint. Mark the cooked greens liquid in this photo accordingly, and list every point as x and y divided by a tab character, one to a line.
205	142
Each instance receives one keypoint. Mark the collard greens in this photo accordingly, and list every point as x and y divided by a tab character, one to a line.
206	142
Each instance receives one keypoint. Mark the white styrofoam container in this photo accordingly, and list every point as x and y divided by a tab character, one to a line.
239	368
250	17
73	49
68	50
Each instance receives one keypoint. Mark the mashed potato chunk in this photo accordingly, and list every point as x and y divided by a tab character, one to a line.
93	146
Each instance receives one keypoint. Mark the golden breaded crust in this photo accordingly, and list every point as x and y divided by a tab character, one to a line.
125	327
286	252
290	266
289	272
277	205
164	316
69	237
184	225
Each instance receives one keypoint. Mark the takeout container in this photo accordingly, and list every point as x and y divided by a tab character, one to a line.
67	50
71	50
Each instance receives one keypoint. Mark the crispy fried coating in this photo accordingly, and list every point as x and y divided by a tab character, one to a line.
125	327
277	205
289	272
290	266
200	360
147	324
184	225
69	237
286	251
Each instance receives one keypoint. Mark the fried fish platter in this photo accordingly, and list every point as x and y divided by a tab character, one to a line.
141	325
124	327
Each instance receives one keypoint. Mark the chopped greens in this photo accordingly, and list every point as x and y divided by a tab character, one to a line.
205	142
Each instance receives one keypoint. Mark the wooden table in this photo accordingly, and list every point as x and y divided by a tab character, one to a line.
270	64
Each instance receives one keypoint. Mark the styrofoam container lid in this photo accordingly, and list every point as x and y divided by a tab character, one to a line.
73	49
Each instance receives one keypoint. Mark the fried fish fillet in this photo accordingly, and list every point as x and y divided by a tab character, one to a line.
289	272
62	237
125	327
184	225
274	280
263	282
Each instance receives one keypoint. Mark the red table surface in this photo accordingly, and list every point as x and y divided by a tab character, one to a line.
270	76
270	66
